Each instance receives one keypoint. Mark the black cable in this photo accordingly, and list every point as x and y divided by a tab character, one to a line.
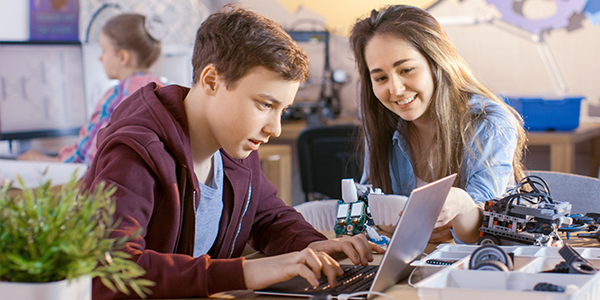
537	193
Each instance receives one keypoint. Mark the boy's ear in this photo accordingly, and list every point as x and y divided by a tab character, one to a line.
209	79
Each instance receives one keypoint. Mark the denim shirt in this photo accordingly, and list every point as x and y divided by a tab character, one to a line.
487	169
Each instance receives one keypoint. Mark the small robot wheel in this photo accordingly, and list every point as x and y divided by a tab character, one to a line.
488	240
491	265
490	253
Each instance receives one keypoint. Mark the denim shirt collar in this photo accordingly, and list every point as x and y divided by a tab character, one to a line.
403	179
499	138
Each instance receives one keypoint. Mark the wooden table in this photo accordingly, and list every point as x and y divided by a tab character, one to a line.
562	146
399	291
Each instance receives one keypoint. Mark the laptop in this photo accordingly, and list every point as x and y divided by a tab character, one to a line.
407	244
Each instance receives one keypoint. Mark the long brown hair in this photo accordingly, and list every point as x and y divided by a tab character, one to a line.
454	85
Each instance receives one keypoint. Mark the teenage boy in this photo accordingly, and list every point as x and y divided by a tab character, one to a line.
186	169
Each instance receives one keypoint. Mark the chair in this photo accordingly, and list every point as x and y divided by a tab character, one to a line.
326	155
583	192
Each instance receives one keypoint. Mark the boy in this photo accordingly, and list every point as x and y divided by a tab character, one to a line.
186	169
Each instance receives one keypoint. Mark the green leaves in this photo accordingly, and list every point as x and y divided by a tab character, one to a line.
49	235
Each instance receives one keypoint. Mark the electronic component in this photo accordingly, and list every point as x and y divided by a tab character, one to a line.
353	212
528	215
351	218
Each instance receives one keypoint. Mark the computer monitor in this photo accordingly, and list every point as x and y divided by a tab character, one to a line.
41	90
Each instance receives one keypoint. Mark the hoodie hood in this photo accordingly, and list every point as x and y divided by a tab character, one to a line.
161	112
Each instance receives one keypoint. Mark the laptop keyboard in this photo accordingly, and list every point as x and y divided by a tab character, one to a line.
356	278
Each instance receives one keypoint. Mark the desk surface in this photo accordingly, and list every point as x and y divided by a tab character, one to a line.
399	291
585	131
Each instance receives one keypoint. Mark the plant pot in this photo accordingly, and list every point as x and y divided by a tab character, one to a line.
78	289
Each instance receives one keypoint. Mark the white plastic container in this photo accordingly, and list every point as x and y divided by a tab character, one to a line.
457	282
78	289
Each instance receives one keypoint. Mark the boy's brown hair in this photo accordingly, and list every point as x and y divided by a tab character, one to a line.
235	40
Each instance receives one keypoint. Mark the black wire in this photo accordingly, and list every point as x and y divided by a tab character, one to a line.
538	192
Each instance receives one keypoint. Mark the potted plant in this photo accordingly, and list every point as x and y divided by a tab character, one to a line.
54	240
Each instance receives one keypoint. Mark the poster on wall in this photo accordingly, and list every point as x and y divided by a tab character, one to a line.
54	20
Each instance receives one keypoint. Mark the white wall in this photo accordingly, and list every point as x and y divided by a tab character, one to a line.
14	20
512	65
507	63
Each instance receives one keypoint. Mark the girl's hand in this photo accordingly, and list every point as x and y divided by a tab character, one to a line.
358	249
262	272
457	201
463	214
441	234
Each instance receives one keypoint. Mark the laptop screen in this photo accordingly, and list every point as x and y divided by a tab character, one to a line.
407	244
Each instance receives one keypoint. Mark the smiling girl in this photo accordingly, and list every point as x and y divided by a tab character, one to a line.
426	116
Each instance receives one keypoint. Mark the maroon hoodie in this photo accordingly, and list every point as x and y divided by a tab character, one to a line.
145	152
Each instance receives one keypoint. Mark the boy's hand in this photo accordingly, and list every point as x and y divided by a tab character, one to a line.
358	249
262	272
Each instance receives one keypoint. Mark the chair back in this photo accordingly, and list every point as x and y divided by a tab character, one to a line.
583	192
326	155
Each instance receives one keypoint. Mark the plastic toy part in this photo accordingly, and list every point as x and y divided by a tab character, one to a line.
573	264
527	215
351	218
490	265
548	287
349	193
376	238
440	262
483	259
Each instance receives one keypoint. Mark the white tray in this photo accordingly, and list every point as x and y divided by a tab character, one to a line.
457	282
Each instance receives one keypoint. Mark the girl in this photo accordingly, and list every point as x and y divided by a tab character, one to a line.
128	52
426	116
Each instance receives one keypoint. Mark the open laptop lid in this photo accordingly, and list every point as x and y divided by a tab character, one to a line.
407	243
412	232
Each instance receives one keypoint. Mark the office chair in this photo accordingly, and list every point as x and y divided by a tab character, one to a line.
583	192
326	155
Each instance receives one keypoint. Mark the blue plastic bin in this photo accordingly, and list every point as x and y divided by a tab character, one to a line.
547	114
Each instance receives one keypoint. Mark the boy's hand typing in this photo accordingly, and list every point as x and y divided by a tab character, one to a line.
262	272
358	249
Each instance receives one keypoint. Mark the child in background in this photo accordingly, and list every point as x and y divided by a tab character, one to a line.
128	52
426	116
